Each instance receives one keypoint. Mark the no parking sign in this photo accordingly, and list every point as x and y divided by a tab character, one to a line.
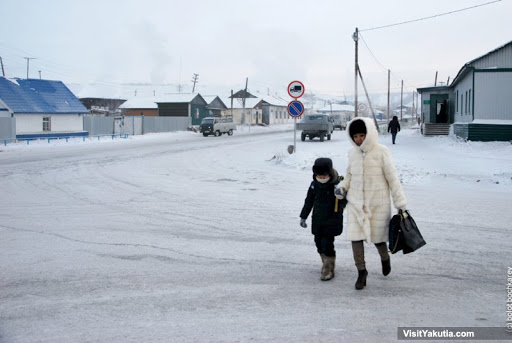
295	108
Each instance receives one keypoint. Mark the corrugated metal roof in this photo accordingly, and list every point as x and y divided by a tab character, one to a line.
39	96
141	102
237	104
178	98
274	101
472	64
153	101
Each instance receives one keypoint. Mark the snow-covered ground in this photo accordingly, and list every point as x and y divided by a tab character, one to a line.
179	238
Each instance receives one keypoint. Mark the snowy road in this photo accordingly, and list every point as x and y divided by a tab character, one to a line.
181	238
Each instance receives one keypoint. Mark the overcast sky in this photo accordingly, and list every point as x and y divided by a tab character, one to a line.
271	42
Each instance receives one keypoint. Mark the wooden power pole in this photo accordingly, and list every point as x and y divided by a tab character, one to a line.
401	99
194	80
355	36
389	92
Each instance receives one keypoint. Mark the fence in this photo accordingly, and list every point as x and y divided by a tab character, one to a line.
7	128
97	126
134	125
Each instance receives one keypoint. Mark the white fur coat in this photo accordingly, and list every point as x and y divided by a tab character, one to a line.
370	181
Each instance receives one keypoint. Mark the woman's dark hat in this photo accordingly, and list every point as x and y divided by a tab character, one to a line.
356	127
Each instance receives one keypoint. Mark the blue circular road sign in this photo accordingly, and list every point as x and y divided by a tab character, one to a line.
295	108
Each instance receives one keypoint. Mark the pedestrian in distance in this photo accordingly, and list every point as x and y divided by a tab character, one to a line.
327	217
394	128
370	182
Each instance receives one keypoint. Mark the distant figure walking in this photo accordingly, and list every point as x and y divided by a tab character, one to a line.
394	127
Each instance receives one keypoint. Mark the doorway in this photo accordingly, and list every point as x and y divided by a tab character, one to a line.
439	108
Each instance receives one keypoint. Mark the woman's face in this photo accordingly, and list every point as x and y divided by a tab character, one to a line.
359	138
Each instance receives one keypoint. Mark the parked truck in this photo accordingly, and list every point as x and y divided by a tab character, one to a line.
339	121
217	126
316	125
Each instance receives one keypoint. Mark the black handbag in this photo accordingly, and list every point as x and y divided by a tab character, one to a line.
404	234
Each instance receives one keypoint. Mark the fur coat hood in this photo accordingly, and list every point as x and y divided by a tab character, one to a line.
371	182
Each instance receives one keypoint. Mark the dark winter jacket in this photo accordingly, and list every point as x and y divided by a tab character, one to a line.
394	125
327	218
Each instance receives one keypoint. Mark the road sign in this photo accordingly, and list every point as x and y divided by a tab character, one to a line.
295	108
296	89
361	107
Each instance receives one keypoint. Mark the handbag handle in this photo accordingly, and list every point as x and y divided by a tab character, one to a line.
403	214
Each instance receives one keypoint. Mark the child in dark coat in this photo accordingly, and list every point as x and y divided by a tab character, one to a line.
327	218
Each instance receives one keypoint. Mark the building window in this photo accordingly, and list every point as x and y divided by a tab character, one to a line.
457	102
47	124
466	104
469	102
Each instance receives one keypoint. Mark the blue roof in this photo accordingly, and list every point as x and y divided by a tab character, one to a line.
39	96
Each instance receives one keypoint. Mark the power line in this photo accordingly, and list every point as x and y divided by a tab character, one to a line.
382	65
433	16
367	47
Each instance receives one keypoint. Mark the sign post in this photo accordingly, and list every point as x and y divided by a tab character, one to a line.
295	107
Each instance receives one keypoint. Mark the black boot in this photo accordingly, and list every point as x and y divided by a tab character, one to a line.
361	279
386	267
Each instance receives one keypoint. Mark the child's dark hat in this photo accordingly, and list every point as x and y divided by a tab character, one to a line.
322	166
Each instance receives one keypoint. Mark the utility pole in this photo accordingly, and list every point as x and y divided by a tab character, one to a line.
418	106
39	74
28	62
355	36
413	108
389	92
435	81
243	101
401	99
369	102
231	103
194	80
2	63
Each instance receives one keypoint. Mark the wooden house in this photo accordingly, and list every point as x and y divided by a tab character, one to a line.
216	106
191	106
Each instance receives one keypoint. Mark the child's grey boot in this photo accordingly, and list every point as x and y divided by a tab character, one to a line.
328	270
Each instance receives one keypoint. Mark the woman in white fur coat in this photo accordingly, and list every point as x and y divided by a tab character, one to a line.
370	183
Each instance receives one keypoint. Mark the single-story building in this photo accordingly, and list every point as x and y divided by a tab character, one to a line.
274	111
477	103
191	106
346	111
243	114
215	105
103	106
140	106
40	108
